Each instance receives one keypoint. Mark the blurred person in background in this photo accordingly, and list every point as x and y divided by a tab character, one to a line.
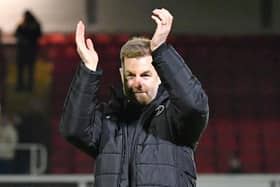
2	70
147	133
2	64
2	59
235	165
8	142
35	118
27	34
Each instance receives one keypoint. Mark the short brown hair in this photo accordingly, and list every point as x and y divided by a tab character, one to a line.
135	47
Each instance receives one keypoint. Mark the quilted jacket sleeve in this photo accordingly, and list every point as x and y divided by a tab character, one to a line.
188	109
82	118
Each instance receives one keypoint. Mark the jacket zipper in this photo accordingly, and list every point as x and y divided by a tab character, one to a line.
123	153
141	123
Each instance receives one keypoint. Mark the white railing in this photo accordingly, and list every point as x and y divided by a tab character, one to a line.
38	159
40	180
214	180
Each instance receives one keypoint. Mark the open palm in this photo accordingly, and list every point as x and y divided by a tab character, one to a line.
85	48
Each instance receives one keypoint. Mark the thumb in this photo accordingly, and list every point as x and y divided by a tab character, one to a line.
90	44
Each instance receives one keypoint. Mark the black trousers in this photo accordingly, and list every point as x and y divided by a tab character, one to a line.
25	59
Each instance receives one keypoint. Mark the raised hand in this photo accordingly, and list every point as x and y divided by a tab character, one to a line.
164	20
85	48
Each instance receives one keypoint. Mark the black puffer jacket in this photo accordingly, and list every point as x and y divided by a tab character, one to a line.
148	147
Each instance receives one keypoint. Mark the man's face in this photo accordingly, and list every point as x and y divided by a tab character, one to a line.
140	79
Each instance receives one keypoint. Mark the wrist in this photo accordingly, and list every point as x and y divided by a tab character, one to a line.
154	46
90	66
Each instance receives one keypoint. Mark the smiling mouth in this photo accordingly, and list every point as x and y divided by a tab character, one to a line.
138	93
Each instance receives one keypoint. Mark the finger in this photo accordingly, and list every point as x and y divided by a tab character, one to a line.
161	14
90	44
156	12
167	15
78	31
80	35
156	19
165	11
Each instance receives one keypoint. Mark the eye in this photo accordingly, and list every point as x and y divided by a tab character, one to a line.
146	75
130	76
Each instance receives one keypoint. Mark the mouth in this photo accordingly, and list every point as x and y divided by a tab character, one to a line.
139	92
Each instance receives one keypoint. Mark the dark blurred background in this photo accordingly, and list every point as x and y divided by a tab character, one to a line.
231	46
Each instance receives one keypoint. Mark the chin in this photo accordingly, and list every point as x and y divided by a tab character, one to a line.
143	102
140	101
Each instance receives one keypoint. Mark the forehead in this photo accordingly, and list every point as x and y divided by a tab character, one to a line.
139	64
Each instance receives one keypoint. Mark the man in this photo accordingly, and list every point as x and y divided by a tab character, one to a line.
147	133
27	34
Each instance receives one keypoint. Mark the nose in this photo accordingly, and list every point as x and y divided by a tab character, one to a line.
138	82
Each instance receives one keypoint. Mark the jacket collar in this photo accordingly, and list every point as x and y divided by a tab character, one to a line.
120	104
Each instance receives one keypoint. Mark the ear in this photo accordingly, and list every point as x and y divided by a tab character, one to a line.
159	80
121	74
157	76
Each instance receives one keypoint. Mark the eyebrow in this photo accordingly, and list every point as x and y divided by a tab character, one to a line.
145	72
